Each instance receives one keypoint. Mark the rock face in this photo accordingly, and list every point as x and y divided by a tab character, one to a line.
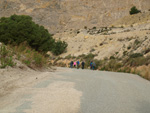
59	15
132	37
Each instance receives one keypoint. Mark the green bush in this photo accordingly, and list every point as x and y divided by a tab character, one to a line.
94	27
112	57
27	62
59	47
134	10
17	29
135	55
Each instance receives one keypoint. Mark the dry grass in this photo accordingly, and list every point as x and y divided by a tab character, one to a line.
29	56
144	71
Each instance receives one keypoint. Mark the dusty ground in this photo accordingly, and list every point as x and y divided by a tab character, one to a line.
19	88
73	91
12	79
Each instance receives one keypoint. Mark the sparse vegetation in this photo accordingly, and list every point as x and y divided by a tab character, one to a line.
6	57
126	64
68	57
112	57
129	47
147	50
136	42
85	27
78	32
135	55
29	56
92	50
94	27
134	10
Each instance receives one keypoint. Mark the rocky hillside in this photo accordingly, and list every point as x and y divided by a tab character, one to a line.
121	47
110	41
59	15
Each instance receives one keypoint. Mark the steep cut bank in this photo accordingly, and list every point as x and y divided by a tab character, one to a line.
59	15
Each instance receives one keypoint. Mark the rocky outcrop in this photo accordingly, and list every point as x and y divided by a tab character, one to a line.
59	15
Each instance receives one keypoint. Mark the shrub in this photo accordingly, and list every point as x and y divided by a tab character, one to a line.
59	47
92	50
113	65
116	53
136	42
112	57
94	28
85	27
37	58
147	50
78	32
129	47
135	55
124	53
134	10
113	26
27	62
17	29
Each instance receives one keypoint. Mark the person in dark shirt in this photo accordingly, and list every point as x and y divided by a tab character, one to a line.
83	63
71	64
94	66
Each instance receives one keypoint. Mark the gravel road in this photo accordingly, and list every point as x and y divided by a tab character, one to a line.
80	91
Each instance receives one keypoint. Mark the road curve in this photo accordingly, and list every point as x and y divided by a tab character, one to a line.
82	91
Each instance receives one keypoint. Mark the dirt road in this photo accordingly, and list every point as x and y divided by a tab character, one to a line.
77	91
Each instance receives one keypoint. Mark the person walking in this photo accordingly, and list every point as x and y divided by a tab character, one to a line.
71	64
91	65
82	64
78	63
94	66
74	64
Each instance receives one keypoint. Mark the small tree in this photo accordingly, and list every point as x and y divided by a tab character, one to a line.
134	10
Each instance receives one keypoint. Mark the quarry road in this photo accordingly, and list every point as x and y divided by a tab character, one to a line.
81	91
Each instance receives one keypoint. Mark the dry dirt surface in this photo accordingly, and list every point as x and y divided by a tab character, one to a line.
28	91
72	91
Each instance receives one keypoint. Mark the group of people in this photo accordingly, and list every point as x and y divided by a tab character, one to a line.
77	65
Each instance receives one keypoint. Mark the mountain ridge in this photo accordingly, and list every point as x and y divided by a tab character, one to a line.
60	15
